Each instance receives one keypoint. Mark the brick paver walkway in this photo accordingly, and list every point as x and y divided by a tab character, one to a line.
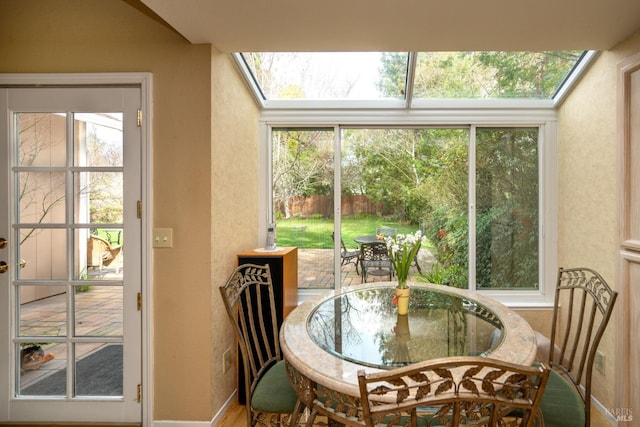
315	269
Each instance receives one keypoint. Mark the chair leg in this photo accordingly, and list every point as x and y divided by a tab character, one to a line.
312	418
295	416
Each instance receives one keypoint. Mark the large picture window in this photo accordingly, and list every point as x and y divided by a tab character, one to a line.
474	191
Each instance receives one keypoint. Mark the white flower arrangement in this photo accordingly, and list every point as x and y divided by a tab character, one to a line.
403	249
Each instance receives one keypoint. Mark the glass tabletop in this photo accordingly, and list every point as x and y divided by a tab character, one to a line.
362	326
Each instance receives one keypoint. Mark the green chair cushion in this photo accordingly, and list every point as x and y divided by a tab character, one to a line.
562	405
274	392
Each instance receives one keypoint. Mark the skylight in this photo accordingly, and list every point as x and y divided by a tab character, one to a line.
407	76
322	75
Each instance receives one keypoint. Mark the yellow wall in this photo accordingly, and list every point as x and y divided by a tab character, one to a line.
234	201
588	190
204	173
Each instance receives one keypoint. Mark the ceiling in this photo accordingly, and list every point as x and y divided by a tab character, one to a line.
401	25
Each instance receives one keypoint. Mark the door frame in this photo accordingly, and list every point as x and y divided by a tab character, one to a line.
629	246
144	82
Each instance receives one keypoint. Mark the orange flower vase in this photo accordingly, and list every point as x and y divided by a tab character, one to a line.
402	296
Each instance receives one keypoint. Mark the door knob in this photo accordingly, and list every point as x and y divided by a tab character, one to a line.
3	243
3	267
22	263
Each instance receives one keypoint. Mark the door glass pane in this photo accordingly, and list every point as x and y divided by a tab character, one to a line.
42	311
100	254
99	197
98	139
99	310
41	197
42	369
507	208
43	252
41	139
302	162
98	368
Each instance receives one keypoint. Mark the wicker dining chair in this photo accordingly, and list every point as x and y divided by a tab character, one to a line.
582	308
454	391
249	300
100	253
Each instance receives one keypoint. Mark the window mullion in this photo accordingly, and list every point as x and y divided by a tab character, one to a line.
337	205
472	208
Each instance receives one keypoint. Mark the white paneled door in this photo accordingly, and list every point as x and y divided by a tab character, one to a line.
70	275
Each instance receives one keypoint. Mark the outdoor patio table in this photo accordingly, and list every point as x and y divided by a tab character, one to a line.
327	340
367	238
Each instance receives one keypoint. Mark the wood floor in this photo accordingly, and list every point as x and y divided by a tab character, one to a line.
237	417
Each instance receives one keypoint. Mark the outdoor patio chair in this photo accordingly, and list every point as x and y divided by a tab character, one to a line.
249	300
454	391
348	256
100	253
375	261
386	231
582	308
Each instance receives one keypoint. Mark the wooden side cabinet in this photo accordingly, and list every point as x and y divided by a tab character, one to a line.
283	264
284	275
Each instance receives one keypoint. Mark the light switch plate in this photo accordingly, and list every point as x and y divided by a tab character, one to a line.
163	237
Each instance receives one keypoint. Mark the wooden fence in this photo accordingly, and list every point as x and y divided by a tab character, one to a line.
306	207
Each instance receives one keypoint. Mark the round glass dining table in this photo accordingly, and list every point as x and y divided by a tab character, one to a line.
327	340
366	330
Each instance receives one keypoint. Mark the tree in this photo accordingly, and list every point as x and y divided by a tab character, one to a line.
302	75
302	164
393	74
387	165
479	74
528	74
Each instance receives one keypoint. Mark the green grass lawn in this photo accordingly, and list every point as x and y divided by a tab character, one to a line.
313	233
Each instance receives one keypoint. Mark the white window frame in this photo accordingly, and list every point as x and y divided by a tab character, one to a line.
464	113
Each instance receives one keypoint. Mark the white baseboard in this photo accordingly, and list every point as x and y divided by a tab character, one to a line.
160	423
216	419
604	411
